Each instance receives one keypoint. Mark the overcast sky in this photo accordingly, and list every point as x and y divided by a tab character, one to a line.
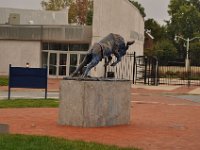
156	9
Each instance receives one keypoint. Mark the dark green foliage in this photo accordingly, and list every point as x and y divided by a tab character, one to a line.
195	53
89	17
184	22
165	51
185	18
139	7
158	32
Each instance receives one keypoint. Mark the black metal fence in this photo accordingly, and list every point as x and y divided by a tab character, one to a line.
179	75
146	70
149	70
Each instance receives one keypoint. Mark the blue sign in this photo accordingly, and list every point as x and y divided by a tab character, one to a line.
20	77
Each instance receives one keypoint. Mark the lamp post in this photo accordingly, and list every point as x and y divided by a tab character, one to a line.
187	61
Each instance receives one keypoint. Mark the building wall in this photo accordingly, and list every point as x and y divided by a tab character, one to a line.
120	17
148	44
69	33
21	43
18	53
41	17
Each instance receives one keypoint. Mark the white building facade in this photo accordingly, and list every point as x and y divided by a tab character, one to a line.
61	47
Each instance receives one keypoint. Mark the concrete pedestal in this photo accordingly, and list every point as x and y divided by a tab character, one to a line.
94	103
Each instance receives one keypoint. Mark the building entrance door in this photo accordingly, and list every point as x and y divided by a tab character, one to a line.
52	64
61	63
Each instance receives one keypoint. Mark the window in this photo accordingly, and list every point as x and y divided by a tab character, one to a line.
44	59
45	46
74	47
54	46
65	47
84	47
73	63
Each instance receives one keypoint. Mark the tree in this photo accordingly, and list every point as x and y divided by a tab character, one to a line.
185	20
195	53
165	51
84	11
80	11
72	13
139	7
56	4
90	13
158	31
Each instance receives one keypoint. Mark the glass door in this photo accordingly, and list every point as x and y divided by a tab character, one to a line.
45	59
53	64
73	63
62	64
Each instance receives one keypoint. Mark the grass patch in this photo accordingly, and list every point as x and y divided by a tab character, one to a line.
3	81
29	103
28	142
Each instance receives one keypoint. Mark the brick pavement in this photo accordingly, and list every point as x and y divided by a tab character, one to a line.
159	121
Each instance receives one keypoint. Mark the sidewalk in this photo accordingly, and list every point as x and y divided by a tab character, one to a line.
191	94
170	88
53	91
162	119
53	86
184	92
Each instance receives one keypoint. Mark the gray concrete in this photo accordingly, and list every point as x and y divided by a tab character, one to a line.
21	44
195	91
94	103
35	94
4	128
159	87
193	98
18	53
27	16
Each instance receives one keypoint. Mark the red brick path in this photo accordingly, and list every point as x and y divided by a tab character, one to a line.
159	123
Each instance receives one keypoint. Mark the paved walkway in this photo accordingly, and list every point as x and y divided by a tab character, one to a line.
161	120
191	93
34	94
53	91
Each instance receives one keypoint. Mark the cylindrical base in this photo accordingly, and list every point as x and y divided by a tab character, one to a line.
94	103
